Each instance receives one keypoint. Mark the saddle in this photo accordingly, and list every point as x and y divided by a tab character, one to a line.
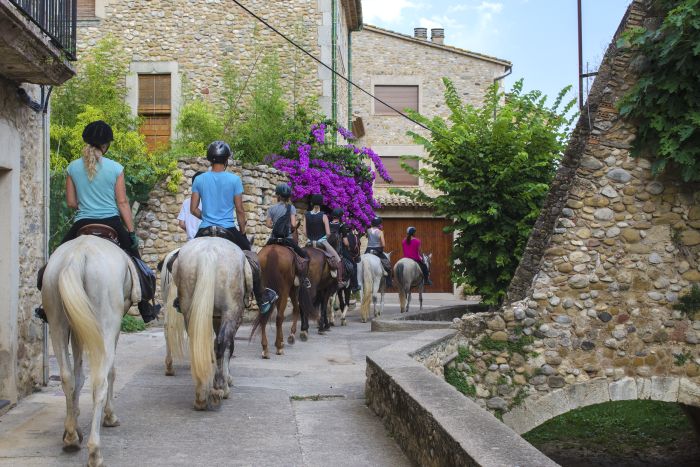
330	259
100	230
216	231
301	264
386	263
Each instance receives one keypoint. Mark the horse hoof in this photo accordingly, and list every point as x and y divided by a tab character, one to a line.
280	351
71	442
229	380
111	421
95	459
303	336
266	355
200	405
169	372
343	322
227	392
363	320
332	323
215	398
322	332
290	339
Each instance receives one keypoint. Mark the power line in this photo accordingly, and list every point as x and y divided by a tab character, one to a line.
268	25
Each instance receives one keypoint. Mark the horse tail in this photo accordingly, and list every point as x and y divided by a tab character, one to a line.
174	321
200	327
79	311
306	305
367	290
400	285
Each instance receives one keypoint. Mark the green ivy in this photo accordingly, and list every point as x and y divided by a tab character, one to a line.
665	101
493	165
689	304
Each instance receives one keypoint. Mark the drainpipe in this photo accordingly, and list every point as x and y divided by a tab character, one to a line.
334	62
47	197
509	70
349	79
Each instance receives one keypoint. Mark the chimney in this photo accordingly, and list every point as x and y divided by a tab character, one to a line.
420	33
437	35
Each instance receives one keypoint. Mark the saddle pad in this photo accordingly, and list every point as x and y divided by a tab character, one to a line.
100	230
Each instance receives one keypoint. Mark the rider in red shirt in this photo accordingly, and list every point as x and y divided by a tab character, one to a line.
411	249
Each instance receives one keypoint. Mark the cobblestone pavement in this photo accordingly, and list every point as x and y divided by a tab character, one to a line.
272	417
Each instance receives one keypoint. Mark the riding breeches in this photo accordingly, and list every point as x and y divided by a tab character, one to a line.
424	269
329	249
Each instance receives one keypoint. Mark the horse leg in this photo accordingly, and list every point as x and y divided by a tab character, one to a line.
263	340
420	296
110	420
60	341
281	306
100	389
408	300
294	297
345	302
168	356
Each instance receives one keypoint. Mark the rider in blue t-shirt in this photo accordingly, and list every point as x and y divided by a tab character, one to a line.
222	206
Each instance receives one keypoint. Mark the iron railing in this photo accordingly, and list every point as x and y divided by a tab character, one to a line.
56	18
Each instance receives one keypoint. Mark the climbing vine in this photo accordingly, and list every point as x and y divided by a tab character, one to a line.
665	101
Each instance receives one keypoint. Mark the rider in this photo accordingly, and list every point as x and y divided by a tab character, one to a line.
352	252
95	186
185	219
411	249
279	219
222	208
317	230
376	244
339	229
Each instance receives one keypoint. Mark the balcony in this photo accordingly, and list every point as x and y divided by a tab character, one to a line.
37	40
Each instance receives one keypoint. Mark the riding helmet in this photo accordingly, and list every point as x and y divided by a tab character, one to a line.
316	200
376	222
411	231
218	152
283	190
98	133
337	213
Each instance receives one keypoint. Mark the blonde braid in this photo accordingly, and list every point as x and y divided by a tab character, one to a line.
91	155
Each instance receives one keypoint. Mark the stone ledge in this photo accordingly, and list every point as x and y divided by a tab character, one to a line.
438	318
433	423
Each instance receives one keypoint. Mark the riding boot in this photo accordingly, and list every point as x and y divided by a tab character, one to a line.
264	297
389	279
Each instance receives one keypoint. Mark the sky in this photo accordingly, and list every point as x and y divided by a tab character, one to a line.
538	36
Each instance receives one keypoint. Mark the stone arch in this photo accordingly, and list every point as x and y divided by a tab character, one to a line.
538	408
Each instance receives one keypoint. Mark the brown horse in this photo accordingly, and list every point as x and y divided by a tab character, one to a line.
323	286
278	273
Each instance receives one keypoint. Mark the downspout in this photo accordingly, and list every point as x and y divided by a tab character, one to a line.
509	70
349	79
47	218
334	62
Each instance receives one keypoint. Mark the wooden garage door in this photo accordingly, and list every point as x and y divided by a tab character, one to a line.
433	240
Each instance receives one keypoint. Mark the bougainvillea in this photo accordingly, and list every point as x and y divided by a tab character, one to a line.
343	173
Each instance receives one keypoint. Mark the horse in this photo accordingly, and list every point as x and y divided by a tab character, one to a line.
323	286
277	263
343	296
213	279
408	275
174	323
372	280
88	285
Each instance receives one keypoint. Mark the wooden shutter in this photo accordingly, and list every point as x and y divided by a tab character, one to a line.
155	109
398	174
86	8
399	97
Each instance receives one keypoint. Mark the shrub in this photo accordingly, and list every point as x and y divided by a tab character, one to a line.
131	324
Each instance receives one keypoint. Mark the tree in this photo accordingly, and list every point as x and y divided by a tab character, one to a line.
493	166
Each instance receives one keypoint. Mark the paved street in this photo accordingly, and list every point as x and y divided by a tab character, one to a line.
271	417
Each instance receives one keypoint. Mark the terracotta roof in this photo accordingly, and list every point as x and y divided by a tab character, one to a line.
449	48
388	200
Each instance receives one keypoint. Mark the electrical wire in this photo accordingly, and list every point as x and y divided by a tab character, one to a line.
269	26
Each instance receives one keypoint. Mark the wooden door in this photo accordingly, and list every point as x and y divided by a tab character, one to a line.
433	240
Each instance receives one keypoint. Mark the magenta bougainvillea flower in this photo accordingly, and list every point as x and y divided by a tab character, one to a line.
343	174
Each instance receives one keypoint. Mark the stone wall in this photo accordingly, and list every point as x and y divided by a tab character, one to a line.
612	251
23	241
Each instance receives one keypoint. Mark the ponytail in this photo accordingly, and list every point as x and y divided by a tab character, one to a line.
91	155
408	238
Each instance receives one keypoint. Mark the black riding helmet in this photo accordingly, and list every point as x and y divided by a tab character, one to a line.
337	213
316	200
218	152
283	190
376	222
98	133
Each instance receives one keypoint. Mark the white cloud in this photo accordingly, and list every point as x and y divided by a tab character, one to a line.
492	7
388	11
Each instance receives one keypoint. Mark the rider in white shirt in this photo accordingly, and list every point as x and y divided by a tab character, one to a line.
185	219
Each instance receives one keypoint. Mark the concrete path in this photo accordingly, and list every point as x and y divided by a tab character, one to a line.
305	408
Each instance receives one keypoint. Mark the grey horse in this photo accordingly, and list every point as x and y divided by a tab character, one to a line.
408	275
371	277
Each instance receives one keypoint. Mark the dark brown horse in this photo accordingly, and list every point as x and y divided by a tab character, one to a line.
278	273
323	286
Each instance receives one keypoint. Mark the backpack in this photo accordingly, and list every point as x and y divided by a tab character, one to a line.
282	226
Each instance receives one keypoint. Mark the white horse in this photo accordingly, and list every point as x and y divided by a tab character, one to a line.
213	279
88	285
408	274
372	280
174	324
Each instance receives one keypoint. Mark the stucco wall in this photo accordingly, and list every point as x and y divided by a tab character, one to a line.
23	238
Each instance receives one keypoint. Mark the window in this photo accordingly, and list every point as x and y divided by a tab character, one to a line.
86	9
398	174
399	97
155	109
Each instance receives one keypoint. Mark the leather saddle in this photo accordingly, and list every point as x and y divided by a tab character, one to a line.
100	230
301	264
215	231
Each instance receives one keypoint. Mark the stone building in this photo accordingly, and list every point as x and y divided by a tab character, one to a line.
33	47
406	72
591	317
177	44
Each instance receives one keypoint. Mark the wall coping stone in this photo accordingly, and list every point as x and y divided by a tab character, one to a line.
462	433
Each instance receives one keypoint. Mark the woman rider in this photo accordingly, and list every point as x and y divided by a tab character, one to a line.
317	230
376	244
95	186
339	229
411	249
